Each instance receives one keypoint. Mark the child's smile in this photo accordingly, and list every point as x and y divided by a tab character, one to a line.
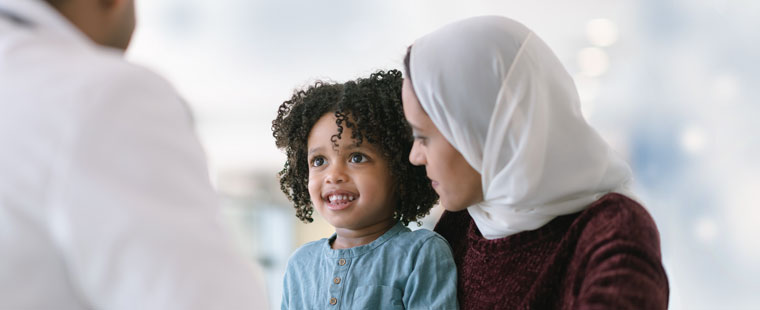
339	199
350	185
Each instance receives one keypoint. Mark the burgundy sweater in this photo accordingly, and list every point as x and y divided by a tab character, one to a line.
605	257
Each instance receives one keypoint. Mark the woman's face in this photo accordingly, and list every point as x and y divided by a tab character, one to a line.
455	181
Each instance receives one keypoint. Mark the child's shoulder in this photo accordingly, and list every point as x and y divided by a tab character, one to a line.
422	238
308	251
422	234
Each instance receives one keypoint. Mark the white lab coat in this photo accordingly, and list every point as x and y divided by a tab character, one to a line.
105	200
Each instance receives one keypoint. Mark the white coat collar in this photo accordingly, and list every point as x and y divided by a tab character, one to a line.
41	16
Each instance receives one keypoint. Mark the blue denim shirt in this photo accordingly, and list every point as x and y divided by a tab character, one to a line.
402	269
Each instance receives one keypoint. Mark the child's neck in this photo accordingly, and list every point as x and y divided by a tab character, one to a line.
349	238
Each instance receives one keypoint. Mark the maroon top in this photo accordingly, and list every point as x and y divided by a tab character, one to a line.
605	257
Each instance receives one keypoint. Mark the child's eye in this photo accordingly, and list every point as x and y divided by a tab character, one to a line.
358	158
317	161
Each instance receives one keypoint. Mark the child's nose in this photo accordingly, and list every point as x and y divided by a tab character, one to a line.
336	174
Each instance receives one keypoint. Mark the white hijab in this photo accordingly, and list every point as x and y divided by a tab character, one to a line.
502	98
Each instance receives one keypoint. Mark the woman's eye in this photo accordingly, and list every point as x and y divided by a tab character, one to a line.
421	139
318	161
358	158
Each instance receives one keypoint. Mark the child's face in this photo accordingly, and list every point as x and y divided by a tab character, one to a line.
350	186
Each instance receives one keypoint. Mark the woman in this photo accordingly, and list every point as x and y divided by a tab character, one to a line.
550	223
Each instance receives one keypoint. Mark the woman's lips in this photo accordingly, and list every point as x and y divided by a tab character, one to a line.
434	183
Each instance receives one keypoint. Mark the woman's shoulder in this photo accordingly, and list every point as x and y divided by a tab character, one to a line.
616	218
616	212
617	253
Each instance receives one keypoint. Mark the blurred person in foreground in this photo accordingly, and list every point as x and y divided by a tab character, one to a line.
105	199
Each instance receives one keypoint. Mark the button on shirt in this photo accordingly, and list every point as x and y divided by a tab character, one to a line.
402	269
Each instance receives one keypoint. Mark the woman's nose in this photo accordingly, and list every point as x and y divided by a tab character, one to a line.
416	156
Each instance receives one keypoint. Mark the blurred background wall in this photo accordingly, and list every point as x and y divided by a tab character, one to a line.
671	84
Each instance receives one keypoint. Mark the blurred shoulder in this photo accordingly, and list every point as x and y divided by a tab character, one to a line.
95	75
114	75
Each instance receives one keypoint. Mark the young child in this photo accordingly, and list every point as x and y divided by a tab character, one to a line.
347	151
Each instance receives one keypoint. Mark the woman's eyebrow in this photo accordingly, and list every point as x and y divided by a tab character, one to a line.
416	131
414	127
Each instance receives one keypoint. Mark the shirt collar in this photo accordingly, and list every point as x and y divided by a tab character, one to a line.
362	249
40	16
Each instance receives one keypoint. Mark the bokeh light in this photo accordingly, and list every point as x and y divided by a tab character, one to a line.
593	61
602	32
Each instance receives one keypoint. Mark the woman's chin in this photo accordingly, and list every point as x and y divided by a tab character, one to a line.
452	207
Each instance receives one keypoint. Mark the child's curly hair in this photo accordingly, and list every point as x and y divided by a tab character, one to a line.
372	108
